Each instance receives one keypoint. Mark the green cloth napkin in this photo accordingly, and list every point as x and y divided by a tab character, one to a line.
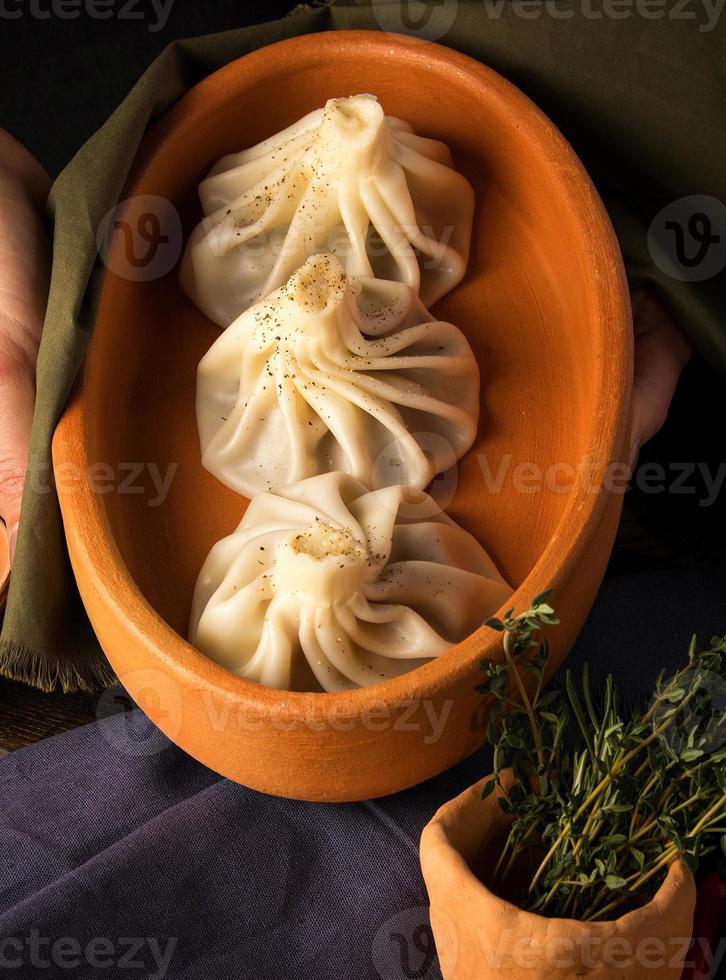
640	97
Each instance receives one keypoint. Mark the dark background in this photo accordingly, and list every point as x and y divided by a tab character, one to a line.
60	81
62	78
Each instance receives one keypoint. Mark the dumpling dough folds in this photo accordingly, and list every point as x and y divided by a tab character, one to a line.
327	585
336	374
345	179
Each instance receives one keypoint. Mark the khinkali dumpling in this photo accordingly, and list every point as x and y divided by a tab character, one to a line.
336	374
345	179
328	585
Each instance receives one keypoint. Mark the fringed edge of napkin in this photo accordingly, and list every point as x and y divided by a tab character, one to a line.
67	673
305	8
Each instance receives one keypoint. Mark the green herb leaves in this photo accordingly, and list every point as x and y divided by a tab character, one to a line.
603	803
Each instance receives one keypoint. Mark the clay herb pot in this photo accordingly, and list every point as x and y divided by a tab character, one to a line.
480	934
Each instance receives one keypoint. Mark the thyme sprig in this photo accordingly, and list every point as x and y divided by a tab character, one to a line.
603	801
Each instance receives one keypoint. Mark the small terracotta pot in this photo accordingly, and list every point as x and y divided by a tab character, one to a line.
480	935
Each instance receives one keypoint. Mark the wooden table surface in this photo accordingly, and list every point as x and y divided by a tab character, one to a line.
27	715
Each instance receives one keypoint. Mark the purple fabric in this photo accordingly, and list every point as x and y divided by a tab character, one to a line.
122	857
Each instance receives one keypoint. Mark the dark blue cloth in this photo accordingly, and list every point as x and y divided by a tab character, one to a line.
122	857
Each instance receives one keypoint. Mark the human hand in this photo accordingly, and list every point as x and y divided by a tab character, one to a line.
24	280
661	353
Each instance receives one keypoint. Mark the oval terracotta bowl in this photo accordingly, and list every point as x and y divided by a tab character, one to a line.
545	306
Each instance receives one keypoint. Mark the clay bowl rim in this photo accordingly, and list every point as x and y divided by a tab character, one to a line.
610	306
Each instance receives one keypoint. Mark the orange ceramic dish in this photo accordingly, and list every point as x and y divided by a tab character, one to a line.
545	307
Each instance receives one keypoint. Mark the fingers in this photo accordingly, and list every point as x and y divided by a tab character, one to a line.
17	401
661	353
15	159
24	246
24	278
